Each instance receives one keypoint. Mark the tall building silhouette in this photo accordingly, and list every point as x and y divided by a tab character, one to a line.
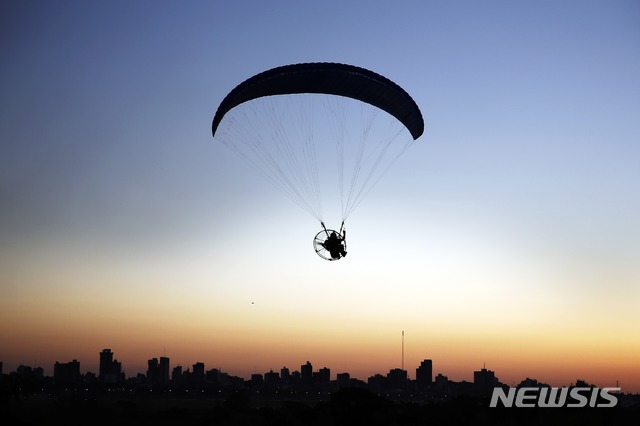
176	373
257	380
198	372
441	383
343	380
377	383
484	381
284	373
272	378
106	359
397	379
306	373
153	371
324	375
164	370
66	372
110	369
424	375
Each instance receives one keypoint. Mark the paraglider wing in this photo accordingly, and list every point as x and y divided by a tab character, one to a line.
332	79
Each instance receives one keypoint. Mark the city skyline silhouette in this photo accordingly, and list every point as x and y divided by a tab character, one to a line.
160	372
197	394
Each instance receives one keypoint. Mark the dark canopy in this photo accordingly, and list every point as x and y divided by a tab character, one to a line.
332	79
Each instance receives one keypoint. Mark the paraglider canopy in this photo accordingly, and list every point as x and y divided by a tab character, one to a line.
332	79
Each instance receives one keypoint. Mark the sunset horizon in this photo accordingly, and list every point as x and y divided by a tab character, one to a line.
457	367
186	180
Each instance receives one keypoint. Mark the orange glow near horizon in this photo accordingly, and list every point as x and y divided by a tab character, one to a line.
467	305
249	344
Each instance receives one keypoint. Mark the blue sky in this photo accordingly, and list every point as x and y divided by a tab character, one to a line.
522	194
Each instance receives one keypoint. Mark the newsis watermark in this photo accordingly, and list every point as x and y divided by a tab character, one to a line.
554	397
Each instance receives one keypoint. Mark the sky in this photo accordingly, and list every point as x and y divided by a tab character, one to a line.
508	235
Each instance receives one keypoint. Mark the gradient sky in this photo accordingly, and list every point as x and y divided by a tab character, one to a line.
508	235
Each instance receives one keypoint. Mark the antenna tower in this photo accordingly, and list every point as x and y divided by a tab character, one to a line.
403	349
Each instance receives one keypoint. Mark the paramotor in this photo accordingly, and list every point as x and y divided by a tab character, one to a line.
313	127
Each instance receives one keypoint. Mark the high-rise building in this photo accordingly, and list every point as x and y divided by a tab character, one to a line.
164	370
441	383
424	375
295	376
116	374
153	371
110	369
324	375
484	381
397	379
284	373
67	372
343	380
38	372
106	362
377	383
306	373
271	378
257	380
198	372
176	374
158	372
213	376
